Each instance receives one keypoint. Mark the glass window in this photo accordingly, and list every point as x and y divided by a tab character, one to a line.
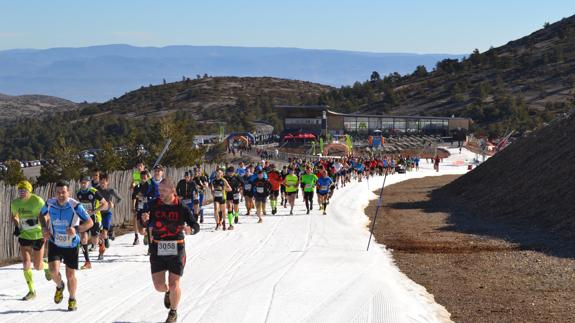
399	126
374	124
412	125
386	123
350	124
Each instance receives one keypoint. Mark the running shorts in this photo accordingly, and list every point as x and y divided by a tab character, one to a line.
173	264
107	220
35	244
68	255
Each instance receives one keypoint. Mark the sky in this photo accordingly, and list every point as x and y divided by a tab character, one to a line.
415	26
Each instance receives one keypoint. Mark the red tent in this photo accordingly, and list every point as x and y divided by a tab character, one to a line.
305	136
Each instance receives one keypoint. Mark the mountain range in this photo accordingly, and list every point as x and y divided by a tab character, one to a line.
99	73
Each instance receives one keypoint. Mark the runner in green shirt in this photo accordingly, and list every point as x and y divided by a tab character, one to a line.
291	183
308	179
25	210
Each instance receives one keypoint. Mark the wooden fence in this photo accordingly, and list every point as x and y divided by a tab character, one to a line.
120	181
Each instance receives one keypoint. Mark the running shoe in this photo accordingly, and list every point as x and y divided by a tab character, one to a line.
72	305
59	295
87	265
136	241
29	296
172	317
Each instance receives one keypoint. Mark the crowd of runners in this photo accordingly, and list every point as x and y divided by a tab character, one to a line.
165	211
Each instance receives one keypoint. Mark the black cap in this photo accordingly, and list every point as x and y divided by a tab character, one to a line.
85	179
187	174
230	169
160	167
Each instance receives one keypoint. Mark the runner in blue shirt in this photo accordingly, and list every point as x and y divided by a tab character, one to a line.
62	220
323	185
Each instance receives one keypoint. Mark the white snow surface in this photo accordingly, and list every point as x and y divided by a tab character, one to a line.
300	268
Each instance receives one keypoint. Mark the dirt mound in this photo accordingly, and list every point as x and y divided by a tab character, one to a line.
529	183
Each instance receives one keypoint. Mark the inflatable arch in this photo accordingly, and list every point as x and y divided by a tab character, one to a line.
336	149
244	138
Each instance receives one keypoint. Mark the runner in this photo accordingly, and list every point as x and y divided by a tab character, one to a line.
25	211
284	173
219	186
308	181
233	196
93	203
202	185
167	219
62	218
136	174
142	194
275	179
323	186
95	180
188	193
291	183
107	213
247	189
262	189
157	179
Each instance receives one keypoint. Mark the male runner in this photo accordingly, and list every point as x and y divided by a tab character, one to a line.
167	219
25	211
62	218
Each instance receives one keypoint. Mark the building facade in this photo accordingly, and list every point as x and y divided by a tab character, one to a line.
321	120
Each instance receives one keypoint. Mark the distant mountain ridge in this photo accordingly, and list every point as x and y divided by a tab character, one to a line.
13	107
99	73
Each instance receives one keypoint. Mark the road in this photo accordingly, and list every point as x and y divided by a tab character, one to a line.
300	268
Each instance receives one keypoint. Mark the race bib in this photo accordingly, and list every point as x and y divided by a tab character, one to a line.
218	193
236	196
29	224
141	205
167	248
323	188
88	206
187	201
248	187
260	190
63	239
308	186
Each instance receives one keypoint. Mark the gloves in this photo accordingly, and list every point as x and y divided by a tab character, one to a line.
16	231
195	228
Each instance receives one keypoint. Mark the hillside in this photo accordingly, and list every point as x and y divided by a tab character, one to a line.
528	183
13	107
519	85
213	99
203	104
99	73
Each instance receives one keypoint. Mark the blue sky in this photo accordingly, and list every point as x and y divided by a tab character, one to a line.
418	26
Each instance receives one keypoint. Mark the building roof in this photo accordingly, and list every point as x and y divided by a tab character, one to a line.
326	108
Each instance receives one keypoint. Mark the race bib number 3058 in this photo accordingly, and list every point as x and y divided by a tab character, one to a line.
167	248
